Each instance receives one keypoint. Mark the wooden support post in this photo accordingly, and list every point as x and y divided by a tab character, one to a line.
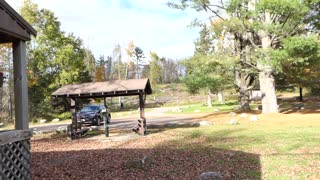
141	105
74	125
20	85
142	121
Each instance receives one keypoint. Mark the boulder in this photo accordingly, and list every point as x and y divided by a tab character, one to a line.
205	123
56	120
254	118
210	176
244	115
216	109
1	125
197	110
35	131
233	122
94	128
232	114
237	108
42	121
61	129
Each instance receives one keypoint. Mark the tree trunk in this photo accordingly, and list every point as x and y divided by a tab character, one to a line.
209	102
268	91
220	97
244	99
266	79
301	96
244	85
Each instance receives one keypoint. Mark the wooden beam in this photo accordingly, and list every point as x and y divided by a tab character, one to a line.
20	85
142	123
141	105
74	126
14	136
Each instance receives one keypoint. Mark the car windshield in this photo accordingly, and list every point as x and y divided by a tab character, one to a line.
90	109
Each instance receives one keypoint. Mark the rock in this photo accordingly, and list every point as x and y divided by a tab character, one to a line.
237	108
210	176
94	128
197	111
56	120
232	114
254	118
42	121
35	131
216	109
1	125
233	122
205	123
61	129
244	115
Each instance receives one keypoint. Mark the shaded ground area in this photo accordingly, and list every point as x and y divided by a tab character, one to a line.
151	157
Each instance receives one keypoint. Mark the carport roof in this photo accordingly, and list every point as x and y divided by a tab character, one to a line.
105	89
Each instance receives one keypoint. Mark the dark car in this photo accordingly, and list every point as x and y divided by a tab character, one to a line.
94	115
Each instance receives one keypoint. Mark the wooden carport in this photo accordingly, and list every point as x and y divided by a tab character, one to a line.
131	87
15	156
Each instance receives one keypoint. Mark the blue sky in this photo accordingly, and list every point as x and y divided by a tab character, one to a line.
104	23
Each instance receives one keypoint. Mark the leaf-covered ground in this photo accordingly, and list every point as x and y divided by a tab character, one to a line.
278	146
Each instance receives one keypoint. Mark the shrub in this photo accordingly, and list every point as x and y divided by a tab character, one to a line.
63	116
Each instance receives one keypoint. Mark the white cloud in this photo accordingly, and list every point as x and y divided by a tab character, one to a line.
102	24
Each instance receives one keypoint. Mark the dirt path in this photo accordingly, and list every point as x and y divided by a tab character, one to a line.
157	116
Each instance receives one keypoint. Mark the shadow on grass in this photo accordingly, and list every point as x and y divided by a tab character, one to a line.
308	106
162	162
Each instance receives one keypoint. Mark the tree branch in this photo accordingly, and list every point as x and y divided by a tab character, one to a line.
207	7
285	21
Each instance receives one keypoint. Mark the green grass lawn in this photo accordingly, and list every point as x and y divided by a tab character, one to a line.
286	148
203	108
